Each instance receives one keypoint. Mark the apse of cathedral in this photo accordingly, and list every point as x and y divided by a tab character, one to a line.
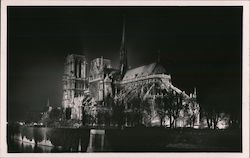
88	86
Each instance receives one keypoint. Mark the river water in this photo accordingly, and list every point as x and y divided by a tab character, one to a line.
41	139
22	139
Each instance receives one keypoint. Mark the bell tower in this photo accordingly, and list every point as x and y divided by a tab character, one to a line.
74	78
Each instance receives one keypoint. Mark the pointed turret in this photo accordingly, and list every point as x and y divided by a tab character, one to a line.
194	95
123	52
48	103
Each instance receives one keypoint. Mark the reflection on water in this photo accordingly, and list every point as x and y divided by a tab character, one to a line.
32	139
21	146
96	141
38	140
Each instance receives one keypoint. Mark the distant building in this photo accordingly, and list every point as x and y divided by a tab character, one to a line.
85	91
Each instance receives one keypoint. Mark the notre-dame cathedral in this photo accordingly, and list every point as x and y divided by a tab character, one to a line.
88	89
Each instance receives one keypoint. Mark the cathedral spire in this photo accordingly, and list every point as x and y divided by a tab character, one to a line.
195	95
123	32
48	103
123	51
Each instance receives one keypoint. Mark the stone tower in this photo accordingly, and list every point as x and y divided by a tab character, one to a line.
98	84
123	53
75	80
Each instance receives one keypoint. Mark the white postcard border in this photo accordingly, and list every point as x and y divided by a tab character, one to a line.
245	73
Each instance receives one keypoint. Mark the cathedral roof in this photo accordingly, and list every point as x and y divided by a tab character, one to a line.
144	70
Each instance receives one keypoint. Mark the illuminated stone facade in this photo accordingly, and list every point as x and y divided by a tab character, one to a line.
75	83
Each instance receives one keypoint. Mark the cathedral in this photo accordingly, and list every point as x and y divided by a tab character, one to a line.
92	92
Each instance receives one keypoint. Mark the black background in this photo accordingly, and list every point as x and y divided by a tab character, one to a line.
199	46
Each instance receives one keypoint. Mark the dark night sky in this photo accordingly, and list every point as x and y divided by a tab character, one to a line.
200	47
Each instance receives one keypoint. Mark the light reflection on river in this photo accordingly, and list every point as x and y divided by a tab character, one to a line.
53	140
24	147
47	140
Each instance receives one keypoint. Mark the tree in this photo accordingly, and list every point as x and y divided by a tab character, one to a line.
107	118
55	114
215	103
136	110
100	117
190	109
212	114
146	112
168	101
172	105
161	108
177	107
118	114
88	119
235	118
